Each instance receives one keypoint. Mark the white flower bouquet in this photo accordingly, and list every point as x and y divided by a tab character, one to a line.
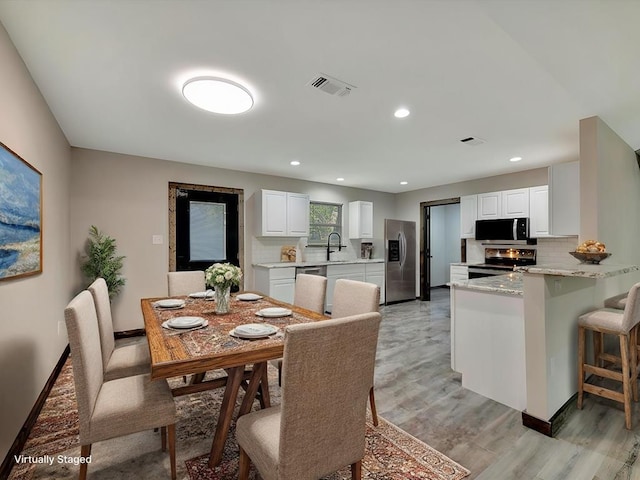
223	275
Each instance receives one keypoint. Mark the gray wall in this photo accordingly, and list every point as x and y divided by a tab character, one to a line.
127	197
30	344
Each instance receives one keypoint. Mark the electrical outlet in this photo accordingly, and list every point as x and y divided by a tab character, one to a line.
557	285
157	239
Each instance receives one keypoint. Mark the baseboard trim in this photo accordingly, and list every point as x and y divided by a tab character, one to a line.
138	332
551	427
18	444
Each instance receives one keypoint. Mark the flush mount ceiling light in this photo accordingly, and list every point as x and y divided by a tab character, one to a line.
404	182
340	179
515	159
401	113
295	163
217	95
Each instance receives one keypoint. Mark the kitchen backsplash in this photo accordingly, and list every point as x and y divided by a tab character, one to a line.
549	250
267	250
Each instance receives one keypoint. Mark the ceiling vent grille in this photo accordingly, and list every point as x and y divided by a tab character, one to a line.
473	141
331	85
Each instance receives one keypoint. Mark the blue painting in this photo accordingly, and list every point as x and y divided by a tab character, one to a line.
20	216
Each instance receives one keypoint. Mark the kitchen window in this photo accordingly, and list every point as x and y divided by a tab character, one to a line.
324	218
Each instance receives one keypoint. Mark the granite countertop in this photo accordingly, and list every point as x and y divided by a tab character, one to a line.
316	263
579	270
509	284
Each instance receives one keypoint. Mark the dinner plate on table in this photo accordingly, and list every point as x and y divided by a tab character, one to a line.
274	312
207	294
186	322
170	303
253	330
248	297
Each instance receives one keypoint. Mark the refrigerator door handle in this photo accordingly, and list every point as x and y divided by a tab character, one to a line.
400	248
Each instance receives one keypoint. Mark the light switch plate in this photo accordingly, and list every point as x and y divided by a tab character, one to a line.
157	239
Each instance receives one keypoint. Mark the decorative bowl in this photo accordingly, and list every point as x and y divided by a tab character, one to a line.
591	257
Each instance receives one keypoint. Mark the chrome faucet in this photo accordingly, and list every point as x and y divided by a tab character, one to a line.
329	251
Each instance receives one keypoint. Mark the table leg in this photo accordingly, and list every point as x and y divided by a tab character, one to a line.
257	375
234	379
265	397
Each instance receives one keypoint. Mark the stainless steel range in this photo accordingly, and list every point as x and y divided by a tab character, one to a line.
498	261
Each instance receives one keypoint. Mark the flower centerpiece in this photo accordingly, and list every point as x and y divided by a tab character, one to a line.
221	276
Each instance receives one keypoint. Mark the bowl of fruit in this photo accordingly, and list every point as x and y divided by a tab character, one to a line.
591	251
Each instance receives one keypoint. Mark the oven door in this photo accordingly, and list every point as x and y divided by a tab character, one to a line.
479	272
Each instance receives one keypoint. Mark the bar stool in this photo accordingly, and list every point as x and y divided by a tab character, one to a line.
624	324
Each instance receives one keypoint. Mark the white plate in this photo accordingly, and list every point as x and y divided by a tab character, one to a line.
274	312
248	297
185	322
207	294
253	330
170	303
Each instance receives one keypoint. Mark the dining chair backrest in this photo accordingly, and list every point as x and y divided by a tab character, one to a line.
184	283
352	297
86	356
100	293
310	292
326	381
631	315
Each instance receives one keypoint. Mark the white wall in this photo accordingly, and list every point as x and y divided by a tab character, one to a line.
30	343
127	197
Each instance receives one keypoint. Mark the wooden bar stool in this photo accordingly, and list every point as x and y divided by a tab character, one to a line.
623	324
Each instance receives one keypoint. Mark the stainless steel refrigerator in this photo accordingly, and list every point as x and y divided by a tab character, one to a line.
400	260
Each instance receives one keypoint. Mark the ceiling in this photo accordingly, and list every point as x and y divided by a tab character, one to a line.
519	75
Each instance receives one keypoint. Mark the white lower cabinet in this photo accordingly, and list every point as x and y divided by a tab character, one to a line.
351	271
278	283
374	273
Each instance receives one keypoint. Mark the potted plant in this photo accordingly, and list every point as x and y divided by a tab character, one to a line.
101	261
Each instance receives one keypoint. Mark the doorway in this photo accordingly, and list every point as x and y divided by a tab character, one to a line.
439	243
205	226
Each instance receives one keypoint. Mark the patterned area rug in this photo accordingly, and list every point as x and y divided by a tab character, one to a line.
391	453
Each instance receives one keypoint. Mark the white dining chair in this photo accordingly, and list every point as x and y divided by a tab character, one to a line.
115	408
320	425
184	283
117	361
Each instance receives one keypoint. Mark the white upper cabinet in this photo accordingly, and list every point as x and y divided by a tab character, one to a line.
515	203
539	211
489	205
282	214
564	198
360	219
468	216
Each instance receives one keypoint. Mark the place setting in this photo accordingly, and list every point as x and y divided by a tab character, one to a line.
185	324
253	331
169	304
206	295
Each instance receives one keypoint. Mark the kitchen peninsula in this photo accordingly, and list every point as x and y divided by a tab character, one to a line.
515	336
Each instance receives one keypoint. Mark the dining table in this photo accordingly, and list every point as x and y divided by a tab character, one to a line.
213	346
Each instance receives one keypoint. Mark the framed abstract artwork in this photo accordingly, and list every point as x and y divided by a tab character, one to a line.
20	216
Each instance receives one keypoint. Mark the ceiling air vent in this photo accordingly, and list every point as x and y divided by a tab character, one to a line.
473	141
331	85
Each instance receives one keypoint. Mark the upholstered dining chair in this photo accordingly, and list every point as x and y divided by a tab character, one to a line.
310	293
184	283
351	297
120	361
115	408
319	427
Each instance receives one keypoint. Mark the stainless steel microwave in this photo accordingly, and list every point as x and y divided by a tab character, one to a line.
503	229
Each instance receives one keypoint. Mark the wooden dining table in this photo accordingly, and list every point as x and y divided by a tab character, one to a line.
178	353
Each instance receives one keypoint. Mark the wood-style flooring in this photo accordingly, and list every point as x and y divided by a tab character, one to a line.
417	390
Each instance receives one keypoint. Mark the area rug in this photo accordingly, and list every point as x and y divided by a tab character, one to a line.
391	454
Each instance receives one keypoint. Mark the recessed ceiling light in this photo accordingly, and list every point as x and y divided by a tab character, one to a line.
515	159
340	179
404	182
217	95
401	113
294	163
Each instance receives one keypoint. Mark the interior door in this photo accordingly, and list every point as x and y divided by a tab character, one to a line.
206	229
426	277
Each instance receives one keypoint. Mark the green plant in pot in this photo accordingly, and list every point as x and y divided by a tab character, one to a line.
101	261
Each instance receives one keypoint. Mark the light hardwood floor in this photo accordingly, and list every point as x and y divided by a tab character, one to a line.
417	390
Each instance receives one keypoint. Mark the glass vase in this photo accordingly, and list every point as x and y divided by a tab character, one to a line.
222	296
